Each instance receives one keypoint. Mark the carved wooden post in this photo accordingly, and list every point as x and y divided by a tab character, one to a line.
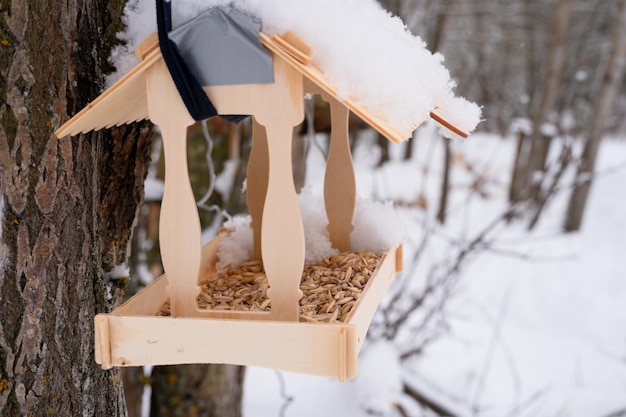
179	223
339	179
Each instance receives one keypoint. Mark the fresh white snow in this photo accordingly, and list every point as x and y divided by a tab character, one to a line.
368	55
370	233
538	332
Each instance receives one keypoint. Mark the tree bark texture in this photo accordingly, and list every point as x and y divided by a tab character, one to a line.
602	110
69	207
197	391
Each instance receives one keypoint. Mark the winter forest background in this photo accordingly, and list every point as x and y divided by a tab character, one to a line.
511	302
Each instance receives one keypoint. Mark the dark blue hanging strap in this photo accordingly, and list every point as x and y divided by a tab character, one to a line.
194	97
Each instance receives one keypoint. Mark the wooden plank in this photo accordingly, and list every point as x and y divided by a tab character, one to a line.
257	179
277	107
448	124
316	76
316	349
132	335
373	293
111	108
209	258
148	301
339	179
102	349
288	48
295	46
179	224
148	45
399	259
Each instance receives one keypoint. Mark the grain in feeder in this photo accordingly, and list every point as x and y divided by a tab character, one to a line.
319	333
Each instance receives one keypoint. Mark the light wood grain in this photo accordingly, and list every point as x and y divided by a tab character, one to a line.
295	46
339	179
256	181
313	73
363	311
316	349
277	107
133	335
179	224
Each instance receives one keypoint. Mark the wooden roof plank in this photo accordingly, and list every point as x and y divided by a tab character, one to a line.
317	77
125	102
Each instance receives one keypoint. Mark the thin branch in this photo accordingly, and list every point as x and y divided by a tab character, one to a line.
423	399
528	402
209	160
495	339
529	257
287	399
219	211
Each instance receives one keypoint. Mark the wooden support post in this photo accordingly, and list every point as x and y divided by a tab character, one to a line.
339	180
277	108
282	233
257	178
179	222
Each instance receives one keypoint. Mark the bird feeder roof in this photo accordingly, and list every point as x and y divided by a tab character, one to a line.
126	101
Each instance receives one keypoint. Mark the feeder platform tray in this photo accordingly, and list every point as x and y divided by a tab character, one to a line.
133	334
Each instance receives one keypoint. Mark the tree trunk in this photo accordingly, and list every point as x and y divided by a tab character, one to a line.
603	106
435	43
445	181
520	167
69	208
524	186
197	391
550	91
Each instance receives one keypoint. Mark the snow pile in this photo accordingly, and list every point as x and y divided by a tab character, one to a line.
153	189
119	272
368	55
379	386
376	229
376	226
236	246
314	221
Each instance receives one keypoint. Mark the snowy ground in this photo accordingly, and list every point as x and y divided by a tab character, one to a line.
542	336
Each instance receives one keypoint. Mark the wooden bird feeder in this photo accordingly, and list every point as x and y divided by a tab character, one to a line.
133	334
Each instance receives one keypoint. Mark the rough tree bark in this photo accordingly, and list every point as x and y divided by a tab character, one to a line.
602	110
69	208
197	390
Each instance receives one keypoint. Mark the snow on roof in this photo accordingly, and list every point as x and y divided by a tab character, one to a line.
368	54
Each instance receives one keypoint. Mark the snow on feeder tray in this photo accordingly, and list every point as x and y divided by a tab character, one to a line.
134	334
